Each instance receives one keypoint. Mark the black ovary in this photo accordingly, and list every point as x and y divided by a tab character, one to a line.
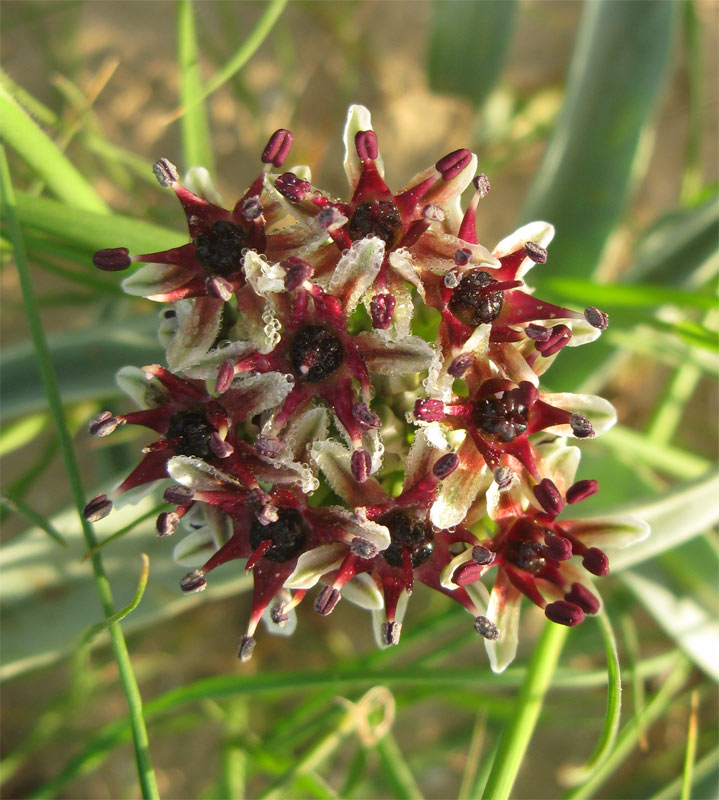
407	534
315	353
526	555
288	534
473	302
220	250
379	218
192	433
505	417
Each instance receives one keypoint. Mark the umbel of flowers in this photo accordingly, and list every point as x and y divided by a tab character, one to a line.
296	330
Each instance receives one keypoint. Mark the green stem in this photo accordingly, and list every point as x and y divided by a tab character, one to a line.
145	770
518	732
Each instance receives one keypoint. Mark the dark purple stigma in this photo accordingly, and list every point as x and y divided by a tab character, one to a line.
315	353
220	249
288	535
473	302
190	433
505	417
379	218
407	534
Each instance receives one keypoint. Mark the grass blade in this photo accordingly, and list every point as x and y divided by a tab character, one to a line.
397	770
196	142
691	752
28	140
32	515
146	774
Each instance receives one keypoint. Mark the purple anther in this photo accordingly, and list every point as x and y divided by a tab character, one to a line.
364	418
178	495
460	365
165	172
581	427
225	376
559	337
582	597
219	288
330	217
536	252
104	424
98	508
564	613
194	581
596	317
167	523
366	145
445	465
557	548
278	148
278	615
292	187
430	410
363	548
382	310
503	477
469	572
326	600
595	561
481	184
219	446
391	632
462	256
486	628
251	208
548	497
433	213
247	645
452	164
482	555
538	333
112	259
269	446
297	271
268	514
581	490
360	464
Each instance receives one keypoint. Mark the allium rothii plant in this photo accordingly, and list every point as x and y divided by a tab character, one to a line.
295	357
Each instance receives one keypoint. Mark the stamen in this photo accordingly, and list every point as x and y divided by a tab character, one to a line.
581	426
193	582
104	424
460	365
582	597
558	338
326	600
538	333
366	145
536	252
445	465
482	555
270	447
462	256
486	628
220	447
360	464
556	547
278	615
247	645
251	208
581	490
382	310
363	548
178	495
98	508
467	573
503	477
433	213
452	164
596	317
366	420
564	613
278	148
292	187
165	172
391	632
112	259
297	271
225	376
548	497
481	184
167	523
219	288
595	561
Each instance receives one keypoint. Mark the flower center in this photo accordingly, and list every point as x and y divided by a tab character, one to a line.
220	249
380	217
191	432
473	302
526	555
288	534
408	534
504	417
315	353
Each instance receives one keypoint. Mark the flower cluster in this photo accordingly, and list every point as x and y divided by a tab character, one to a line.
297	377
